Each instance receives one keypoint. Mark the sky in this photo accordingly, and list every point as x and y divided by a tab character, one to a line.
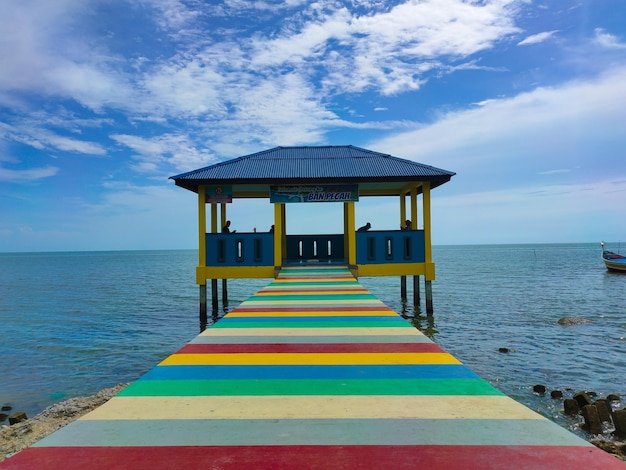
102	101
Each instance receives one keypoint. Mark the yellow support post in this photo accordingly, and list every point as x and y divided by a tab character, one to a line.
428	265
214	228
223	215
427	235
201	226
351	235
202	254
414	208
278	235
283	233
402	209
345	227
414	225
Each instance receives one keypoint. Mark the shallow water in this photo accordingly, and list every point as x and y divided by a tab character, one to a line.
512	296
75	323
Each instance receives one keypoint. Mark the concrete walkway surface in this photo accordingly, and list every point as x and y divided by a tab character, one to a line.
312	372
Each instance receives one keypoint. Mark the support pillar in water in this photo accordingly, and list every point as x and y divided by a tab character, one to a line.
429	296
417	298
214	303
224	294
403	287
203	315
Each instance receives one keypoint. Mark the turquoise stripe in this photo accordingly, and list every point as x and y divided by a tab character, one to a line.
270	432
310	387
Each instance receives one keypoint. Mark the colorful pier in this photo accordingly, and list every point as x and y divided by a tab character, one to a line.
312	371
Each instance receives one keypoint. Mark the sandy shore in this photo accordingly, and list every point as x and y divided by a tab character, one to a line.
21	435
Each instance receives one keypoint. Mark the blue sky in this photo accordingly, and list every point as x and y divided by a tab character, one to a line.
102	101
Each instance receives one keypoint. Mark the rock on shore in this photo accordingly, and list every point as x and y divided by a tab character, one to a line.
21	435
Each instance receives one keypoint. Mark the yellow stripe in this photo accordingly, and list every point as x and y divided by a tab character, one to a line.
309	359
312	407
321	332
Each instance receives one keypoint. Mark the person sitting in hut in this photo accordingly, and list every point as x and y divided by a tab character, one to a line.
365	228
407	225
226	228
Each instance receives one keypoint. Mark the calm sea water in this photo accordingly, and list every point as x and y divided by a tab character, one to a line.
74	323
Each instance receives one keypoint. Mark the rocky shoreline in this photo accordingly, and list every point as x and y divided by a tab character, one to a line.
18	436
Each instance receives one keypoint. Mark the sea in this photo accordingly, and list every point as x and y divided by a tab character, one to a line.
73	323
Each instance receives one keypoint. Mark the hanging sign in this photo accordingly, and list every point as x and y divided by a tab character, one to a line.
314	193
219	194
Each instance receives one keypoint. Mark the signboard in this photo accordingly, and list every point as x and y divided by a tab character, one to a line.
314	193
219	194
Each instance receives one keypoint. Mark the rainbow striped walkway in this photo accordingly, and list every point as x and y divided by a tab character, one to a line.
313	371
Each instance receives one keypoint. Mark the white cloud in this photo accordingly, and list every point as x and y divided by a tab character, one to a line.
393	50
172	15
523	167
31	174
553	172
185	87
540	130
175	149
67	144
537	38
608	40
30	132
28	30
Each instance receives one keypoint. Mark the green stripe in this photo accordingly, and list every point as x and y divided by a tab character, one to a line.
315	324
241	387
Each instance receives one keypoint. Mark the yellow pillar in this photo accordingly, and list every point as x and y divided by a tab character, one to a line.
278	234
429	274
283	233
351	235
223	215
427	236
214	228
201	226
346	229
402	209
200	271
414	208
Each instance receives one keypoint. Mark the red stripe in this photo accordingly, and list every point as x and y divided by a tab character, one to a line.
310	348
316	457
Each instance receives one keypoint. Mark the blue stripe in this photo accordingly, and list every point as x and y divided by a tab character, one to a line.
392	371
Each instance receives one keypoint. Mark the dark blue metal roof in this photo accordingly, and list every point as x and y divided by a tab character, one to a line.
314	165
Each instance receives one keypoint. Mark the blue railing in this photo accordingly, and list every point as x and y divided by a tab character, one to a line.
390	246
240	249
315	247
372	247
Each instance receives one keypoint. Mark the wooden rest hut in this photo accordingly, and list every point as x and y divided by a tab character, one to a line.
300	175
